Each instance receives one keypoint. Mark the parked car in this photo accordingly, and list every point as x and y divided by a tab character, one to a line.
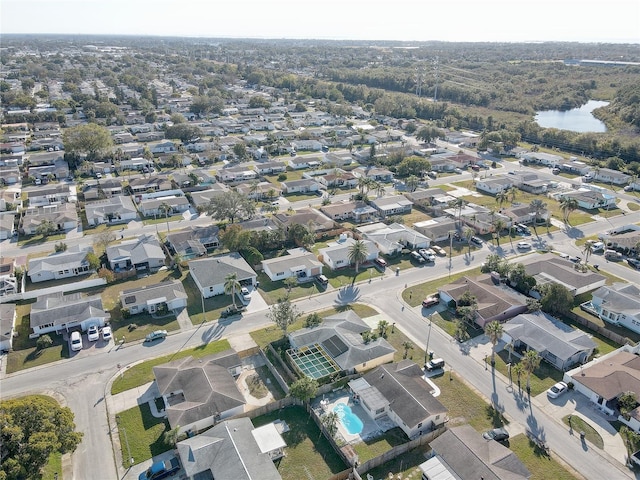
524	245
106	334
417	257
634	263
557	390
497	434
156	335
429	257
381	261
434	364
439	250
457	170
430	302
161	469
231	310
432	175
322	280
93	333
246	294
76	341
575	258
476	241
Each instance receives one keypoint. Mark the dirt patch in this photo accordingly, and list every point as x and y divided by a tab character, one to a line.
256	386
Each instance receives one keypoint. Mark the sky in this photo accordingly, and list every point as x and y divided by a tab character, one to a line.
608	21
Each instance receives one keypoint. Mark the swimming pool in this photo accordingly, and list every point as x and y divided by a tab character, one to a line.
350	421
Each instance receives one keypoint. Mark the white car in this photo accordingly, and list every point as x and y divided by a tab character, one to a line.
246	295
557	390
76	341
524	245
106	334
93	333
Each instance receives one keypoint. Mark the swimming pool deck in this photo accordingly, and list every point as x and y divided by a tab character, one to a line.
370	429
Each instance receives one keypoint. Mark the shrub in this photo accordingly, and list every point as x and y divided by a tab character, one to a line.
107	274
132	327
282	177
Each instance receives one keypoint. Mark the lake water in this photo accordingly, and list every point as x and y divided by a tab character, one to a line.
575	120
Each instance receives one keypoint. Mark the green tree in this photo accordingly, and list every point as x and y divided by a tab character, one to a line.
412	183
382	328
460	331
93	260
300	235
537	208
33	427
240	151
232	205
467	233
556	299
304	389
44	341
283	313
494	331
517	370
165	209
183	132
533	305
330	422
312	320
91	139
46	228
231	286
413	165
60	247
530	361
252	255
170	437
627	403
357	254
519	277
406	346
289	283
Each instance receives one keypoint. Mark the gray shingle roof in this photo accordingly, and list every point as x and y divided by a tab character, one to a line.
138	250
140	296
60	309
212	271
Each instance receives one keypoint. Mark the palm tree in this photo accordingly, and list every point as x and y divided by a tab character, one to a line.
494	331
501	197
412	183
458	204
512	193
467	233
382	328
498	226
530	362
407	346
358	253
518	370
567	205
231	285
165	208
586	252
537	207
379	188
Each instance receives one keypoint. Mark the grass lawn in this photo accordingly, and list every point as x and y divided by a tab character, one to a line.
143	372
273	291
541	379
302	197
634	207
579	425
159	219
30	286
541	465
347	276
53	469
309	454
406	465
141	434
291	175
144	322
372	448
31	240
212	306
414	294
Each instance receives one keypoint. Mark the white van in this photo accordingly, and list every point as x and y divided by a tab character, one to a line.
597	247
76	341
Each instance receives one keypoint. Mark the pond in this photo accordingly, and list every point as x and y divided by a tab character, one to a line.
576	120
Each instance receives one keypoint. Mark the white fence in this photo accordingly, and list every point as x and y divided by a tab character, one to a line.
68	287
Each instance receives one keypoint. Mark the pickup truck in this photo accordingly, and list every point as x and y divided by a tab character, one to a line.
161	469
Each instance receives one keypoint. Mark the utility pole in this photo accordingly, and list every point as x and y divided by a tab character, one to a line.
426	349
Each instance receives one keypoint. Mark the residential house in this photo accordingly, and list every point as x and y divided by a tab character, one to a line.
494	185
104	188
618	304
200	392
232	450
338	179
236	174
484	222
110	211
259	224
63	216
142	253
298	263
541	158
496	302
392	205
56	313
209	274
391	239
400	392
259	191
442	164
313	219
531	183
304	185
150	184
349	210
7	225
70	263
136	163
524	214
549	267
270	168
7	326
307	145
166	146
9	175
624	238
557	343
49	194
425	198
165	296
606	378
607	175
154	207
8	280
306	161
574	166
590	199
338	160
462	452
437	229
336	254
339	336
10	199
193	241
201	199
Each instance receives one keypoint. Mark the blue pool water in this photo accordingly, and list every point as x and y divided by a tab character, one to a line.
349	420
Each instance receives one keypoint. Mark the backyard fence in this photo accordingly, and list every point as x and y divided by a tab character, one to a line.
281	365
600	330
66	288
